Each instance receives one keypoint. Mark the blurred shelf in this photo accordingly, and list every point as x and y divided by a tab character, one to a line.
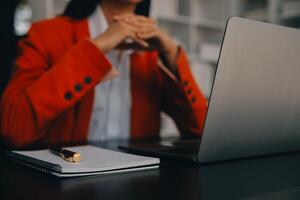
289	9
289	14
204	23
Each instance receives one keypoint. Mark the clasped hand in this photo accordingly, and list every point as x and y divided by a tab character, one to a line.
144	33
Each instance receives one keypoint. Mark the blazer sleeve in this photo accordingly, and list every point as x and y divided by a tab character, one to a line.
39	90
182	98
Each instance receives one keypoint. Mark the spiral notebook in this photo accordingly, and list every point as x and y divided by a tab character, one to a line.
94	161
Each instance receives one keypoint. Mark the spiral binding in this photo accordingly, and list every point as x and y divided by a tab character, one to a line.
40	165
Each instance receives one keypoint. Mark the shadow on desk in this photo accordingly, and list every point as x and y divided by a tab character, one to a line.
274	177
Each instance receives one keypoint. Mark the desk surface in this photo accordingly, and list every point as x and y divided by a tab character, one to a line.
263	178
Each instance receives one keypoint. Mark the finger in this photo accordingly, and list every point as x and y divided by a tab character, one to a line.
135	38
138	20
135	18
148	32
132	32
148	35
130	28
137	24
143	31
144	19
141	42
147	29
142	26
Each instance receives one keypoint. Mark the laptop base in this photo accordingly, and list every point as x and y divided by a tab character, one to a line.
186	150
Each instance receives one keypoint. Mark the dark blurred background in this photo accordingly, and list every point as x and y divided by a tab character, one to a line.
7	40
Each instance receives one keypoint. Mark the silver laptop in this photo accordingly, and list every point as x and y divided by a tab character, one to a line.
254	107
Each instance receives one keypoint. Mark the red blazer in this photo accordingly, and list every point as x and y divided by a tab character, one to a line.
49	98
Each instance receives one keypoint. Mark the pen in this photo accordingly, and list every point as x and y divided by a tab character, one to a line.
66	154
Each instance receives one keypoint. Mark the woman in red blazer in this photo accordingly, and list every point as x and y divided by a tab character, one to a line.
51	95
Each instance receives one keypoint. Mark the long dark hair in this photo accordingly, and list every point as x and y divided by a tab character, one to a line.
79	9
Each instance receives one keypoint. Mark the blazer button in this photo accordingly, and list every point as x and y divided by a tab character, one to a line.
68	96
189	91
185	83
78	87
193	99
87	80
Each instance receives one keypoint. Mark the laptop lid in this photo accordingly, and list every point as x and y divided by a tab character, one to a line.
254	106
